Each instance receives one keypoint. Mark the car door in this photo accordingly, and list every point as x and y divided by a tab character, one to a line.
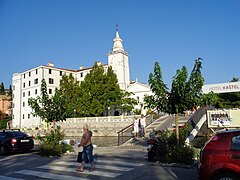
234	152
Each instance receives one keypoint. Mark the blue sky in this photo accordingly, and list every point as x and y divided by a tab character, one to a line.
74	33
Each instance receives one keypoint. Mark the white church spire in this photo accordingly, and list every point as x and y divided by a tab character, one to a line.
117	45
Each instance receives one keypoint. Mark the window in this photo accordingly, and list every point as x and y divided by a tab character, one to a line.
81	75
23	94
235	143
50	71
13	116
50	91
35	91
13	87
29	83
24	85
24	76
36	81
23	104
29	74
50	80
60	73
13	105
36	71
28	93
28	116
13	96
23	116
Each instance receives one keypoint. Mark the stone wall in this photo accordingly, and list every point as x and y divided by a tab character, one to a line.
100	126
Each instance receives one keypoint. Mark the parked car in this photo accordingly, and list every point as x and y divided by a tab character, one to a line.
13	140
220	157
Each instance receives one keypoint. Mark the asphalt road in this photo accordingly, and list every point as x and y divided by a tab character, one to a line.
121	163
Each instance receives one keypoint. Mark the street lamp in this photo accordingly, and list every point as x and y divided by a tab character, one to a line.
74	113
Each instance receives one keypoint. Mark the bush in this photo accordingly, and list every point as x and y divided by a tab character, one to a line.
50	144
173	152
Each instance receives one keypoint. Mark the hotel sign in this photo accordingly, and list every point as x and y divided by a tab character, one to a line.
222	88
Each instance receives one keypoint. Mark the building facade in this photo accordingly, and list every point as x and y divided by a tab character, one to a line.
27	84
5	106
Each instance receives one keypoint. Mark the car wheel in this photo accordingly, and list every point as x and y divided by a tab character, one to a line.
226	176
151	156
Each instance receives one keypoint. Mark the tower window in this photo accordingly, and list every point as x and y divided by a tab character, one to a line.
36	71
50	71
60	73
29	74
29	83
50	91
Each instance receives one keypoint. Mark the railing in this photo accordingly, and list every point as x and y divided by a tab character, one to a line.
125	134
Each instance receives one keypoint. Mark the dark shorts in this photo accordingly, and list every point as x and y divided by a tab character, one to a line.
88	153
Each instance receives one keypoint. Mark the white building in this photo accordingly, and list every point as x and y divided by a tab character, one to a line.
27	84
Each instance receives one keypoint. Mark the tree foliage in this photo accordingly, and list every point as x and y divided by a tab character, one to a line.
2	89
194	85
48	108
96	95
10	91
178	94
228	100
160	98
70	88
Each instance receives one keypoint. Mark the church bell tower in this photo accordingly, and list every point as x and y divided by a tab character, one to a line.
118	59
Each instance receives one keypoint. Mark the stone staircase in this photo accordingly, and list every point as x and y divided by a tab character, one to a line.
163	123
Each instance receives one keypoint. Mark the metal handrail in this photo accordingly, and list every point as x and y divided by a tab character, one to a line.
126	129
120	133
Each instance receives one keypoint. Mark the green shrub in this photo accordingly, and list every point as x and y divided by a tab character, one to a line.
173	152
66	147
50	144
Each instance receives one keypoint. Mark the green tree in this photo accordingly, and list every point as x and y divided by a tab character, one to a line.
127	103
178	94
2	89
10	91
49	109
112	92
70	88
194	85
159	100
234	79
209	99
94	91
177	100
228	100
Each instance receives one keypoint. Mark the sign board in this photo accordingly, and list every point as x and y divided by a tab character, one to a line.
222	88
223	118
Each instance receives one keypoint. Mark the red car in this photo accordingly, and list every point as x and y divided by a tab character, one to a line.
220	157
